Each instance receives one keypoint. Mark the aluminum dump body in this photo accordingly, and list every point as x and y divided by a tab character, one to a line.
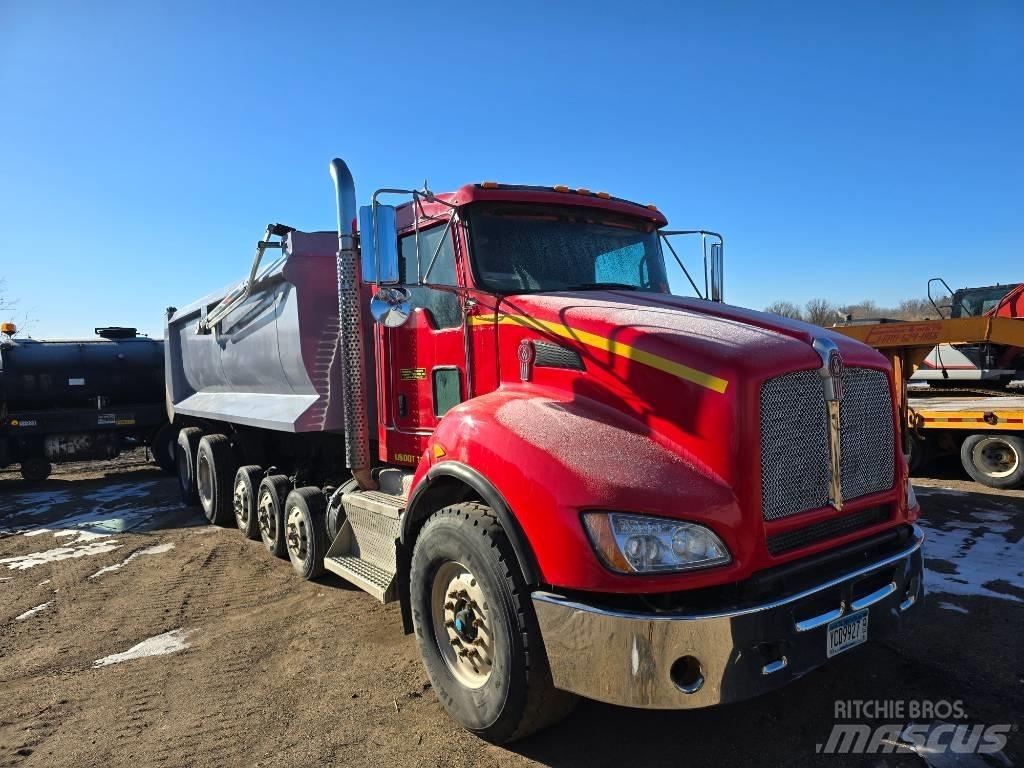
273	361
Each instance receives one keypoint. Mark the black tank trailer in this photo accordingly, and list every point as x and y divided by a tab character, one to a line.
66	401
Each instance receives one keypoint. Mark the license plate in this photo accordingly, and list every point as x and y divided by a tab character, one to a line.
847	632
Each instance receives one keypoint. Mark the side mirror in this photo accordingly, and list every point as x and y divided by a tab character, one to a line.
717	273
378	237
390	307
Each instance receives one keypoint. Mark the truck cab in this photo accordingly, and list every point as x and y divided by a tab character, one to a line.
574	482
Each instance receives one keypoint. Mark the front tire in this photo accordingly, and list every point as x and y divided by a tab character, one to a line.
305	532
476	628
994	460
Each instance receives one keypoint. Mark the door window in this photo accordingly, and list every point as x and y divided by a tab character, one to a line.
443	306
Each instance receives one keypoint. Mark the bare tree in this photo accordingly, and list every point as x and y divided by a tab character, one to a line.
8	307
821	312
785	309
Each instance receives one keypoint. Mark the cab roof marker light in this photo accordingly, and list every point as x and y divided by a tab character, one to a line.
489	184
582	191
652	206
603	195
560	188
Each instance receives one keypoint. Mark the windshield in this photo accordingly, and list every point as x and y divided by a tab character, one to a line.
525	248
972	302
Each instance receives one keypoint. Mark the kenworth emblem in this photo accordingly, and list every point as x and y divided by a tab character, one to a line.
832	380
527	354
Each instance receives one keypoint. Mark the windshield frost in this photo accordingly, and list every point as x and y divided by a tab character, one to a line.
522	249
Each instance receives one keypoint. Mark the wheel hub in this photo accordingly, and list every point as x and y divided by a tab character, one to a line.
297	534
205	479
996	457
241	503
265	515
460	614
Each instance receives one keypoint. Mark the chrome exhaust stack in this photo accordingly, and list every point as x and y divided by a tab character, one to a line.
350	318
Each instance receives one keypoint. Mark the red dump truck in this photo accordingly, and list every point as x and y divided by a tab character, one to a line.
487	406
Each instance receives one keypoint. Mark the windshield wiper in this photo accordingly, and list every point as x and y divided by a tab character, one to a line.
601	287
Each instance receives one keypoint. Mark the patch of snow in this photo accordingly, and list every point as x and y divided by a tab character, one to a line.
154	550
953	607
989	517
35	504
980	554
32	612
161	645
24	562
925	489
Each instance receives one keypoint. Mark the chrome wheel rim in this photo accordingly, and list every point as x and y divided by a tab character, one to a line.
297	534
267	519
204	474
462	626
241	504
995	457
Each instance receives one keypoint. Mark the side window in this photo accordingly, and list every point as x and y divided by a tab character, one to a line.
443	306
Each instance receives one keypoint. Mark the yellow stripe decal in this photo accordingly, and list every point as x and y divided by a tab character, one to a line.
657	362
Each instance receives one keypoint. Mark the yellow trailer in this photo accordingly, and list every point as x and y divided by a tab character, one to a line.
986	430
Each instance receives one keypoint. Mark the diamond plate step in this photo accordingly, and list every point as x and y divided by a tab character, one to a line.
367	576
377	502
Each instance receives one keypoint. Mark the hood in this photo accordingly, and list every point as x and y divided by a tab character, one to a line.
688	372
728	344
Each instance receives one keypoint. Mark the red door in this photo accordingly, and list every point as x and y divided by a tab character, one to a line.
424	364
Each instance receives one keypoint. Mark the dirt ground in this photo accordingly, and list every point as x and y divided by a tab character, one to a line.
269	670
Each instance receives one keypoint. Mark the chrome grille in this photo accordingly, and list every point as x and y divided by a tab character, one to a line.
795	469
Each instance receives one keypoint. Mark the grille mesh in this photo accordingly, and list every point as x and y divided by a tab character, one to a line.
827	529
795	466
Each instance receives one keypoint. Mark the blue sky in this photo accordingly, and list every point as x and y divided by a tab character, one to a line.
845	150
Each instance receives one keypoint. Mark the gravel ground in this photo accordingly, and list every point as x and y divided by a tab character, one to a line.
261	668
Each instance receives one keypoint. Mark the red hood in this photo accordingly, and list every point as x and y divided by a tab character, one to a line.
725	341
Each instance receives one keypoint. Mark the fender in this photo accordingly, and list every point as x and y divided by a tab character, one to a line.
545	455
491	496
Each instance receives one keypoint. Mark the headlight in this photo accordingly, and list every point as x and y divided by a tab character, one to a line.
642	544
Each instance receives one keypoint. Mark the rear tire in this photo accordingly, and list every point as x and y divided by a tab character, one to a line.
36	470
162	446
994	460
466	587
243	500
270	513
185	458
305	531
216	465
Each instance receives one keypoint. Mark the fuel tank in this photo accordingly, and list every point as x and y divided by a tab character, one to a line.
43	375
273	361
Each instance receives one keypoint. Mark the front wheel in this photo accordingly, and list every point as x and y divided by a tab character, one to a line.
476	628
994	460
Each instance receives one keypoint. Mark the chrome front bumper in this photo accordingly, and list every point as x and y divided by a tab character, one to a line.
635	659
